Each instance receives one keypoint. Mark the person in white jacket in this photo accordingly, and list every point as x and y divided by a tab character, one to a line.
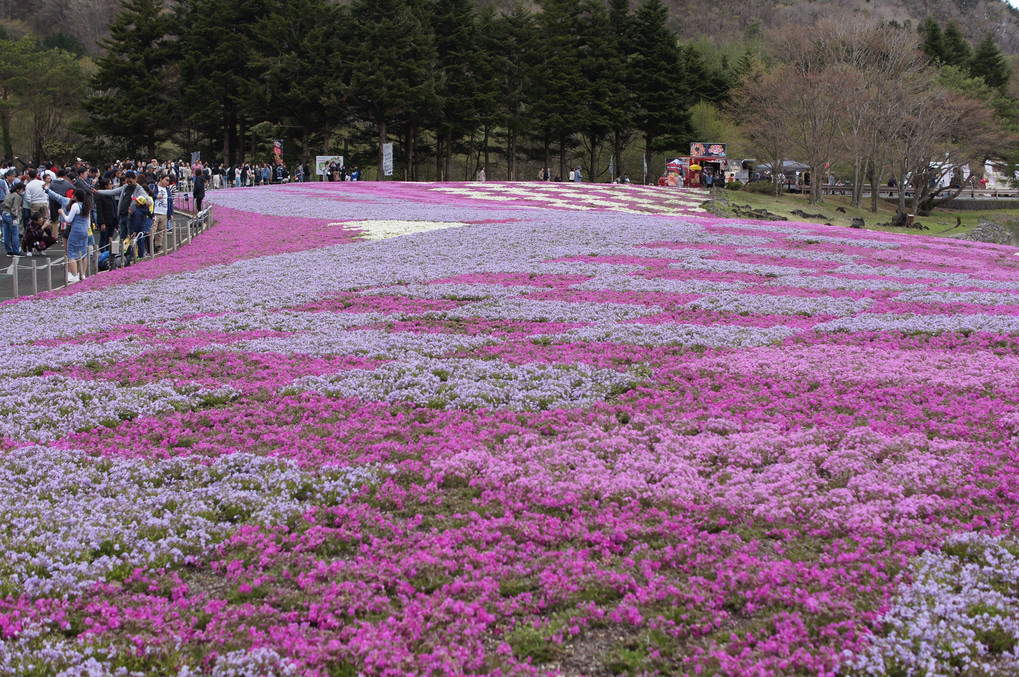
35	195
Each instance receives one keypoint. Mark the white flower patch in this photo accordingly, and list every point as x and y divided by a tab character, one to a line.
681	335
32	358
282	321
707	237
966	281
548	311
825	282
656	252
475	384
448	290
737	267
384	229
960	615
42	408
773	304
371	343
974	297
924	324
72	519
800	254
909	273
628	283
577	268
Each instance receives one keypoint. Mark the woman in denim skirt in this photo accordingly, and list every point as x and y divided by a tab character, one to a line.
77	211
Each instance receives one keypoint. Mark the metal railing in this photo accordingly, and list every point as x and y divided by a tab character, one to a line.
179	235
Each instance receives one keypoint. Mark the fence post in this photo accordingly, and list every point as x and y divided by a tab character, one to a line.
35	277
14	268
49	276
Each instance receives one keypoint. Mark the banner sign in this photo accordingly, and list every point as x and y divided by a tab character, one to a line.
322	163
277	151
196	158
700	150
387	159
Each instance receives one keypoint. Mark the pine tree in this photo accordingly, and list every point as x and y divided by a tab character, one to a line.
599	103
222	86
932	40
509	47
557	78
292	49
658	77
622	122
133	98
458	65
990	64
390	65
957	49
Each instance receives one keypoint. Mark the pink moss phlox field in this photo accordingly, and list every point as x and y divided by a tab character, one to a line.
580	429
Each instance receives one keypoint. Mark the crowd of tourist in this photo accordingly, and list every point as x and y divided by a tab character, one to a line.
88	208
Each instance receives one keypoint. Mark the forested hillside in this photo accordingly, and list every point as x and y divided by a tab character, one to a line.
739	19
83	22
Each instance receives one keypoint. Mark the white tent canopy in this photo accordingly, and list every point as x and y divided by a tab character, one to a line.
787	166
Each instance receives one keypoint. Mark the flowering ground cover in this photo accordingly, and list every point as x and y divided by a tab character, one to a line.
514	429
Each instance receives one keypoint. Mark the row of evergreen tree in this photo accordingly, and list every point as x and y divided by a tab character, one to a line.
948	47
573	80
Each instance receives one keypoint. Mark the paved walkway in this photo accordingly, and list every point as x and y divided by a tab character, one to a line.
49	263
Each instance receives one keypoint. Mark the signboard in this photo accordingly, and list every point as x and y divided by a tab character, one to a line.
703	150
387	159
322	163
277	151
674	171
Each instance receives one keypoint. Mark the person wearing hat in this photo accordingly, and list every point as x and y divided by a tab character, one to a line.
124	194
141	222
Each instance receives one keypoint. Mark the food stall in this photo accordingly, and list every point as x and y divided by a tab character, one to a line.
703	158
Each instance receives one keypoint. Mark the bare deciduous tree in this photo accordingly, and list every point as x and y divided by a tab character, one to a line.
760	108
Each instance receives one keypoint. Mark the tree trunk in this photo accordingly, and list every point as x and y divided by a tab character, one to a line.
617	151
875	191
511	150
467	160
648	138
449	155
36	140
5	122
548	151
226	144
593	159
304	145
411	133
485	147
438	158
382	141
857	183
563	172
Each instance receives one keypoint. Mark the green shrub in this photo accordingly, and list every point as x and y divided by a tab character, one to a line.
735	184
760	187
